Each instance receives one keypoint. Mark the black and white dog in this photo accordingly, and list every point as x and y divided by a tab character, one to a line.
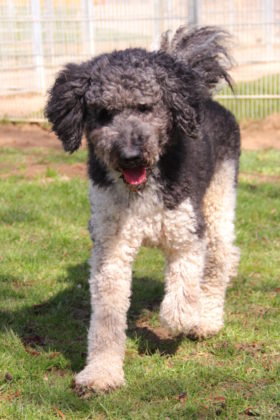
163	165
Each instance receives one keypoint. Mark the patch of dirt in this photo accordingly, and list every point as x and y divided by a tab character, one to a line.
25	136
152	339
255	135
250	348
57	371
10	396
262	134
31	169
156	333
33	340
260	177
19	284
66	171
32	136
40	170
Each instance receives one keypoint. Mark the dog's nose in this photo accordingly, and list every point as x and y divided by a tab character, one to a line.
130	157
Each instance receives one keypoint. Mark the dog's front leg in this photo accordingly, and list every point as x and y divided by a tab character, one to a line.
180	309
110	285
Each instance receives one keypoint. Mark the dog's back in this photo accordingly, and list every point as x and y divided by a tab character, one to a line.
222	131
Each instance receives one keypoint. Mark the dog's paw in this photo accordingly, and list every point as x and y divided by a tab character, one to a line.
211	317
179	317
100	378
205	330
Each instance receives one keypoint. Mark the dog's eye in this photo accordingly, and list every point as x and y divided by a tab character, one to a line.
104	116
144	108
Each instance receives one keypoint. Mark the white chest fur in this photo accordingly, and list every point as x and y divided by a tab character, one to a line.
140	217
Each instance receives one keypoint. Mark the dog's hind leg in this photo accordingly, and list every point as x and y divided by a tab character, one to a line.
184	251
180	309
222	257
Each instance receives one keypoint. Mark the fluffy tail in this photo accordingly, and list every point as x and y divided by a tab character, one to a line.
204	50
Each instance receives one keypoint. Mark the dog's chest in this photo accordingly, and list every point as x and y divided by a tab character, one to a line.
163	227
141	219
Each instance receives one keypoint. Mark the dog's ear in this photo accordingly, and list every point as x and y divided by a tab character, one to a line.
180	93
66	108
203	50
183	113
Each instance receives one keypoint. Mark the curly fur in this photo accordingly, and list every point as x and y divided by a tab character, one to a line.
151	113
203	50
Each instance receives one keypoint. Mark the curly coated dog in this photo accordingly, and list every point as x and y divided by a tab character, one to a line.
163	165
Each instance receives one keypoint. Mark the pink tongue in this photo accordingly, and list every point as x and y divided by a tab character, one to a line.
135	176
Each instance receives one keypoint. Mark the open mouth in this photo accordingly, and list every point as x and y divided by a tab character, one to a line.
135	177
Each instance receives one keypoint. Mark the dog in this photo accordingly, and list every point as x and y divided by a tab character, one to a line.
163	167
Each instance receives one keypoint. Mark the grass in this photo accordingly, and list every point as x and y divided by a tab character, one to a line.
47	162
253	108
265	162
44	315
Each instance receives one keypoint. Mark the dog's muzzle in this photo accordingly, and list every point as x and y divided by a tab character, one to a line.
135	178
133	169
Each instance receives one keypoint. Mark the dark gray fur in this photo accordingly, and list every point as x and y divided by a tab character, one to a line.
154	106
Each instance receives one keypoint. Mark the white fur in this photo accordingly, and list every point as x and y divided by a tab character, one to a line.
121	222
222	256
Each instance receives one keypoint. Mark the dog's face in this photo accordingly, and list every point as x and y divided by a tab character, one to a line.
128	103
133	103
127	121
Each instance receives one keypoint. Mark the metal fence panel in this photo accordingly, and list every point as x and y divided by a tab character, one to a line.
38	36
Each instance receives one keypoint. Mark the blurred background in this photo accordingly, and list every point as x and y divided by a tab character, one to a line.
38	36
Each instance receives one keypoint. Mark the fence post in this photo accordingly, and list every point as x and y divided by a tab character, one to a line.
88	27
49	14
193	11
158	10
11	16
231	15
37	45
269	29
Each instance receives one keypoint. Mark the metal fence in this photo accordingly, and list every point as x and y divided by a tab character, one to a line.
38	36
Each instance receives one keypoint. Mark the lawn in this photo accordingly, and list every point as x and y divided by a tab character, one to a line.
253	99
44	312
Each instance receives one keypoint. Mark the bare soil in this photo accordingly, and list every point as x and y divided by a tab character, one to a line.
261	134
256	135
23	136
34	136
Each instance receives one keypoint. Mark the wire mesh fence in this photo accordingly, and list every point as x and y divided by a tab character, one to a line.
38	36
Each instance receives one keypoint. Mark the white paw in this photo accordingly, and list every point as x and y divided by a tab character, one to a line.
100	377
211	318
179	317
206	329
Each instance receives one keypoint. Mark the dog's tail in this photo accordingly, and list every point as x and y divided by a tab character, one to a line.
204	50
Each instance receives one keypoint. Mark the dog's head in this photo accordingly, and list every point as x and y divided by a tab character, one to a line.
129	102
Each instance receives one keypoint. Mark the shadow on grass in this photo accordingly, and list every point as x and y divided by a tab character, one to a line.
60	323
147	294
263	190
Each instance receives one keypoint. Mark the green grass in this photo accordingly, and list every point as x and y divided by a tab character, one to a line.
44	311
253	108
266	85
43	156
48	161
265	162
